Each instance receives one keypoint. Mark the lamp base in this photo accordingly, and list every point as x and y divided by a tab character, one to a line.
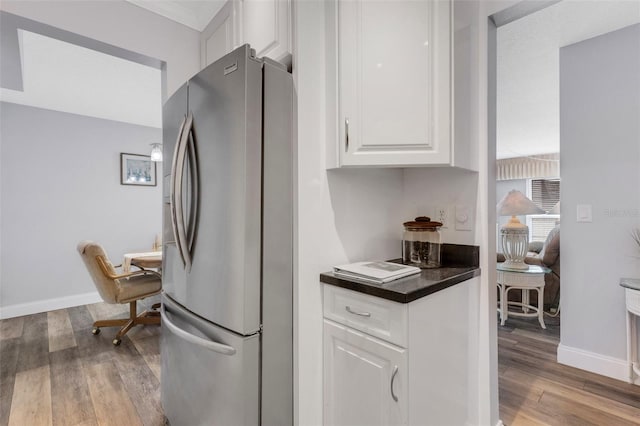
515	241
517	265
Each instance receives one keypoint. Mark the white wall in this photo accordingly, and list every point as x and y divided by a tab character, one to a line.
425	189
600	160
124	25
60	184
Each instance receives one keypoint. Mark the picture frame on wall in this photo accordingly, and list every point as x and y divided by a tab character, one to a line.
136	169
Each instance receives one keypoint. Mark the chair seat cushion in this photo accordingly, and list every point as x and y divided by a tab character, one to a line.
137	287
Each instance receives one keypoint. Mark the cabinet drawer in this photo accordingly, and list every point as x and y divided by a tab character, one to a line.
378	317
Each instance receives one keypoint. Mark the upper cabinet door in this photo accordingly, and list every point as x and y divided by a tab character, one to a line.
266	26
393	82
219	37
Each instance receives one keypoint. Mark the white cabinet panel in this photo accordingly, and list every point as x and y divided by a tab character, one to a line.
264	24
267	27
365	379
393	86
219	37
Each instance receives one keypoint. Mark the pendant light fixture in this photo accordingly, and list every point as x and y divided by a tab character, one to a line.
156	152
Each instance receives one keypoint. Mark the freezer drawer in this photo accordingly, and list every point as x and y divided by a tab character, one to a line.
210	376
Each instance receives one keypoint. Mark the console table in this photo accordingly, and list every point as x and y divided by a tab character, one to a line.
525	280
632	300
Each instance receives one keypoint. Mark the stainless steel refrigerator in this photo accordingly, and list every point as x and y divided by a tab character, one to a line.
227	271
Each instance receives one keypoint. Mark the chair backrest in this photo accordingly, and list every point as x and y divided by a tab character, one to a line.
107	287
550	253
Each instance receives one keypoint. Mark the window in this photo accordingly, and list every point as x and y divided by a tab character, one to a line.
545	193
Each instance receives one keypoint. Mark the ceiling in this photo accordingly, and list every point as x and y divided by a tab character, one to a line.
66	77
528	92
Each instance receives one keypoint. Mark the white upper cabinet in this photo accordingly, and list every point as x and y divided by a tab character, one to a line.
389	82
220	36
264	24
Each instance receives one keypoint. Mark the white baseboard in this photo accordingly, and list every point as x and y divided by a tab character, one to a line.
593	362
48	305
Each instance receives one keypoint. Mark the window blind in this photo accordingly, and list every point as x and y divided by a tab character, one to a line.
541	226
545	193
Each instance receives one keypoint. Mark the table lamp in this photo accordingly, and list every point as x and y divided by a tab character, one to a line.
514	235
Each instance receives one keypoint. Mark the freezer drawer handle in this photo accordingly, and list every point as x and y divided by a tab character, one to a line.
199	341
362	314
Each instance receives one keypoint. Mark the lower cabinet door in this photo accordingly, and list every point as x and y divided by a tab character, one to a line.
365	379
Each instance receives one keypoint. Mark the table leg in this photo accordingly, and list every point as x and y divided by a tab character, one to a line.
505	303
631	345
540	307
501	303
525	301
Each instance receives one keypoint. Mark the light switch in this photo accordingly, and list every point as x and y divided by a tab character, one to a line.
464	221
583	212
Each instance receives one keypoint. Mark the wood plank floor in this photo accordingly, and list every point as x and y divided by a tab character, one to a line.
54	371
536	390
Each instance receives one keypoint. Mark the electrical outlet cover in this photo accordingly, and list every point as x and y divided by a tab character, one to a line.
441	214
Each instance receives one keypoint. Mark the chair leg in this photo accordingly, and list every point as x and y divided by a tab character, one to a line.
111	323
128	326
145	318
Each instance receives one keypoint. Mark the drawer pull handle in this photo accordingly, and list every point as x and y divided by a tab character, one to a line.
393	378
346	135
362	314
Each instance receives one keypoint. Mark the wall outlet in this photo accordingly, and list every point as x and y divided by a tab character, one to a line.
441	214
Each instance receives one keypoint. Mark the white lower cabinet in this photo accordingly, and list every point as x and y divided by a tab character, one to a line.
365	379
390	363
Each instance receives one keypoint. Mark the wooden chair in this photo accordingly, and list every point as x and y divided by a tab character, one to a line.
120	288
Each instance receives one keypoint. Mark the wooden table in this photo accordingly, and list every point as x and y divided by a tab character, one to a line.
632	301
145	260
526	280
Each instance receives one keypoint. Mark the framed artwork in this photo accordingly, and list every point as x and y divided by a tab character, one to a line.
137	169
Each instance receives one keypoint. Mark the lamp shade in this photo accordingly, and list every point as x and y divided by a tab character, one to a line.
555	209
516	203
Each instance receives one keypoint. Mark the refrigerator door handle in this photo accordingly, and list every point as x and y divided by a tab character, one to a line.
195	194
177	208
191	338
172	184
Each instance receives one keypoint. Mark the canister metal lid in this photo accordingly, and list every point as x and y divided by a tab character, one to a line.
422	223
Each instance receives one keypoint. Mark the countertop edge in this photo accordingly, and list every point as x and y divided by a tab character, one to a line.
389	294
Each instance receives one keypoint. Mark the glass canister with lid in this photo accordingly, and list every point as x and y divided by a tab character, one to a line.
421	243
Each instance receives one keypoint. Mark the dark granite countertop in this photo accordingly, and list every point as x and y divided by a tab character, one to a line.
460	263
